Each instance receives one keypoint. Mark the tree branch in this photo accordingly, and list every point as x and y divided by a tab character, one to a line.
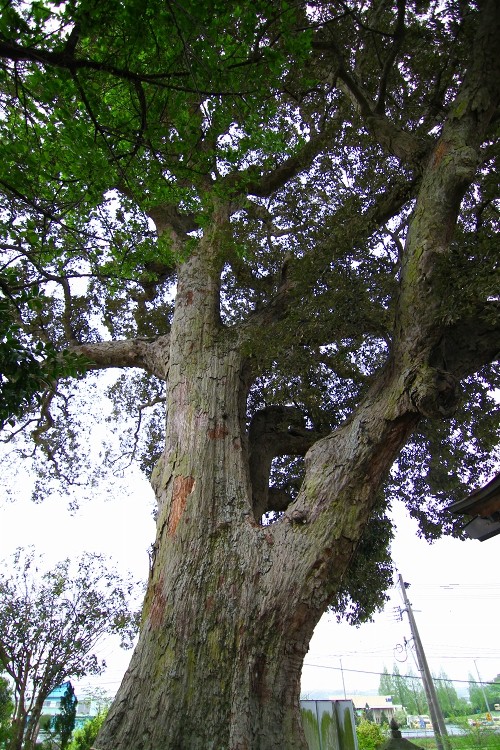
150	355
409	148
398	37
67	61
251	182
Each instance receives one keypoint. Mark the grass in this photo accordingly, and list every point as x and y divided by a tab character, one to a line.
475	739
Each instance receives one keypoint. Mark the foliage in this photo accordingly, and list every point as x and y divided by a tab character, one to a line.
64	721
480	693
83	738
27	368
406	690
6	710
450	703
50	624
357	598
371	736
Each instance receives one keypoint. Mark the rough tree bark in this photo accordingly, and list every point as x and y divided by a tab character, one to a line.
231	605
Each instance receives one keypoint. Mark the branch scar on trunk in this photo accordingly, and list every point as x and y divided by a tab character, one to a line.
183	486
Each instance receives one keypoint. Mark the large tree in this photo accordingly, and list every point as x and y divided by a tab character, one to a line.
280	217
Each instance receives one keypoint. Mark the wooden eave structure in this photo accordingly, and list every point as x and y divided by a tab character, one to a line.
483	505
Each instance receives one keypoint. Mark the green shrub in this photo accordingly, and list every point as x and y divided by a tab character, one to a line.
83	738
371	736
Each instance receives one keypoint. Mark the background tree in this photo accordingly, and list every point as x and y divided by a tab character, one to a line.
493	691
447	696
64	721
476	696
281	218
6	710
406	690
478	691
386	685
50	624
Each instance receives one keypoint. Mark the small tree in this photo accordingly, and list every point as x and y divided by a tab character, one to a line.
50	625
493	691
481	692
406	690
64	722
386	685
447	695
476	696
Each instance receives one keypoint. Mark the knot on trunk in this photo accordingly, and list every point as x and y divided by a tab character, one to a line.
433	392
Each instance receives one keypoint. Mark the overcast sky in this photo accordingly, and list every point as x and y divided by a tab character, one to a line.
454	591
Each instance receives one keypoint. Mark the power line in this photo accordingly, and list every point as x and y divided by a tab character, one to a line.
401	676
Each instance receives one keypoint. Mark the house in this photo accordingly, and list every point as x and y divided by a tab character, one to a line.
85	710
378	705
484	506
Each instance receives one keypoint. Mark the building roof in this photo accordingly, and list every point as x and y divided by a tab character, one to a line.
380	702
484	505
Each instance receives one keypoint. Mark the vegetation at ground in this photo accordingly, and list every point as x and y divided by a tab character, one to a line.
474	739
83	738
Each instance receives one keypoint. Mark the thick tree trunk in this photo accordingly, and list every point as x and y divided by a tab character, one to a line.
221	646
231	605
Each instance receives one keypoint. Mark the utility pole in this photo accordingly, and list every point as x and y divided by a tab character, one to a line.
342	673
440	733
482	688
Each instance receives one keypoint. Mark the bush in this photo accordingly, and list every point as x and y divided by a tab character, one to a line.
83	738
371	736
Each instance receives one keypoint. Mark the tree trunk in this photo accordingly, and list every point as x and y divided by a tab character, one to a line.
231	605
221	646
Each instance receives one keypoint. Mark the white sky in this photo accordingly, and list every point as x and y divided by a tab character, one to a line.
458	626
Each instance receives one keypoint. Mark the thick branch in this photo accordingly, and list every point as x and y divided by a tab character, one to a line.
409	148
149	355
448	174
344	471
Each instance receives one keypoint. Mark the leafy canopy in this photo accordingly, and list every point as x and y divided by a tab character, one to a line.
125	127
